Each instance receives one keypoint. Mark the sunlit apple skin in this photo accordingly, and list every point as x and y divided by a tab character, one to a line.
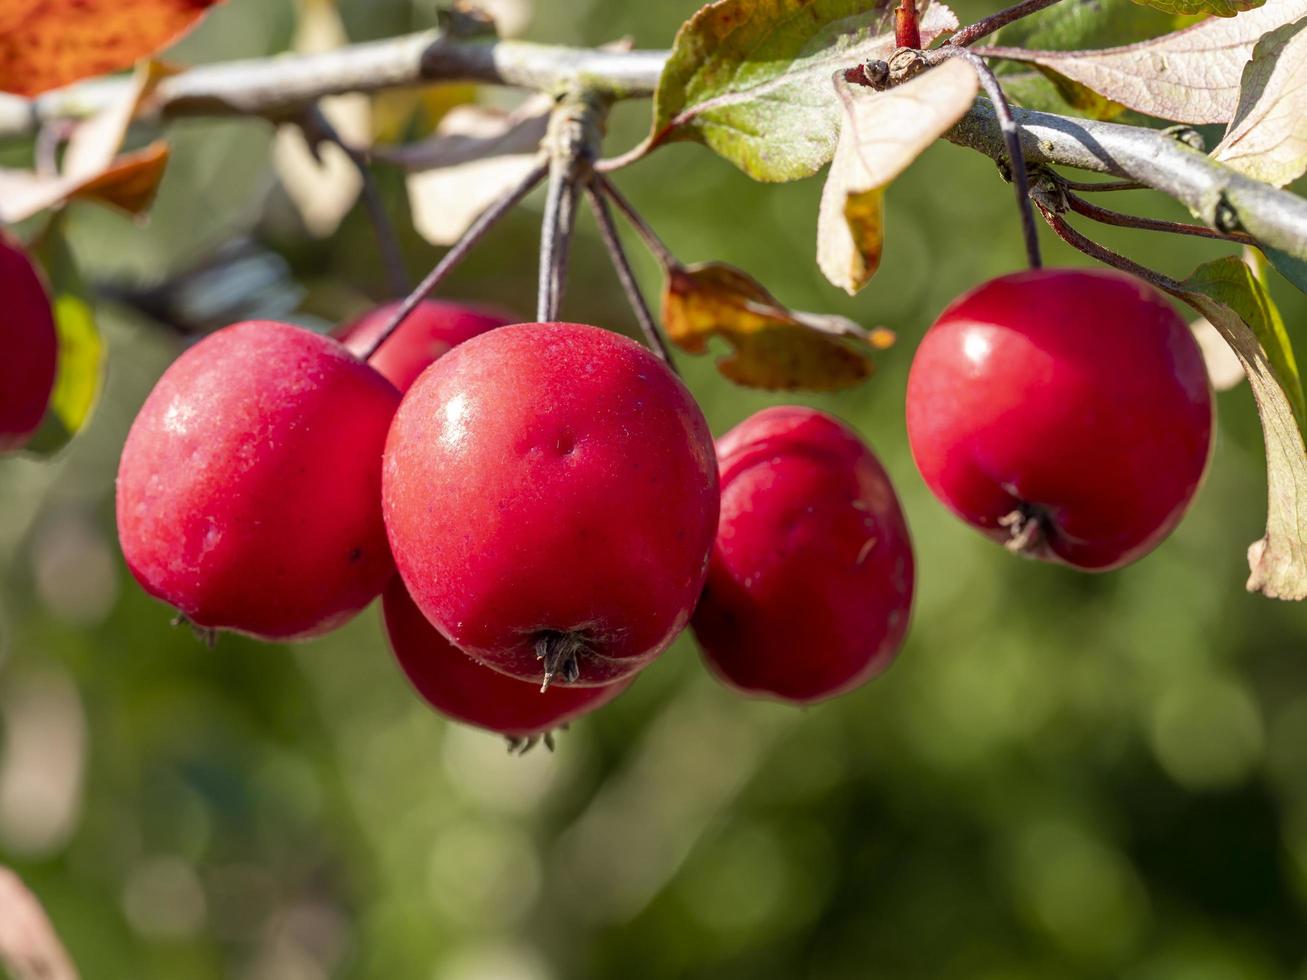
809	589
463	689
429	332
552	479
1074	399
249	489
28	347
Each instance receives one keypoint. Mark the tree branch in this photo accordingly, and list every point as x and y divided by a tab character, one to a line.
275	87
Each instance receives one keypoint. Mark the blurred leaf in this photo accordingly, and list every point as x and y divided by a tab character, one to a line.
29	946
1073	25
1228	294
775	348
321	180
1267	138
1221	8
129	183
48	43
752	78
1224	368
81	351
880	136
476	155
92	168
1192	75
1291	267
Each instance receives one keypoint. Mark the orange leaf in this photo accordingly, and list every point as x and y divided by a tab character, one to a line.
775	347
129	183
48	43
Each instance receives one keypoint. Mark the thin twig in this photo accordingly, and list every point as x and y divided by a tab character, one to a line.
277	86
1105	255
1012	137
487	220
650	237
1080	206
318	127
626	276
1098	186
988	25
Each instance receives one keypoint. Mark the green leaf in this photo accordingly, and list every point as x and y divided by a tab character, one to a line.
1076	24
752	79
1291	267
1221	8
1229	295
81	350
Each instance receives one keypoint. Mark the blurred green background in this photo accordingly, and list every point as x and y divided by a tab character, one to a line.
1063	776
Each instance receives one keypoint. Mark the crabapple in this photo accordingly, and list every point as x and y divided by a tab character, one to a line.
810	583
249	490
28	347
432	329
1064	412
460	687
550	494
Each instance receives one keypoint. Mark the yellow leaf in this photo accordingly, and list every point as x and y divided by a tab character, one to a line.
880	135
774	347
1267	138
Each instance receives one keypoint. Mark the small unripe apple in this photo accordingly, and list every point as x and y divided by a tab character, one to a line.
550	493
1063	412
28	347
467	691
809	588
249	489
429	332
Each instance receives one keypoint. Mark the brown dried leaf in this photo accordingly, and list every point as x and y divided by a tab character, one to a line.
48	43
92	167
775	348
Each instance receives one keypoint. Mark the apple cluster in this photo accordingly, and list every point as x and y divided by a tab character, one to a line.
543	509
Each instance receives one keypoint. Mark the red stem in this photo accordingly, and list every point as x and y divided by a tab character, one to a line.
907	34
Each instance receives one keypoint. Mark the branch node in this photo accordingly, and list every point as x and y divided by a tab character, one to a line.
1188	136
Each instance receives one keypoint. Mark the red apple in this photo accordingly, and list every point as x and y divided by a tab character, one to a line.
550	493
809	588
249	490
1064	412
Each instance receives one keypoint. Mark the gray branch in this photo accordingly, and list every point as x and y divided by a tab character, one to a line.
276	87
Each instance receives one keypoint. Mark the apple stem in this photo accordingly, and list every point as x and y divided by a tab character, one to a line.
608	231
318	128
555	239
907	33
487	220
1080	206
1011	136
650	237
1105	255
